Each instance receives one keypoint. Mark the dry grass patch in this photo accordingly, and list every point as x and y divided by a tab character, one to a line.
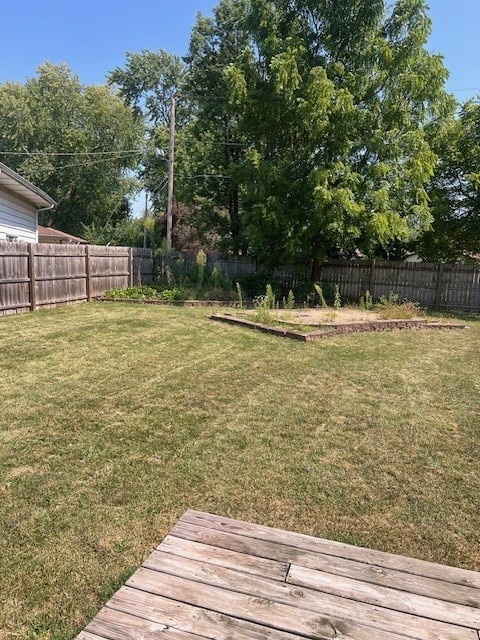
116	419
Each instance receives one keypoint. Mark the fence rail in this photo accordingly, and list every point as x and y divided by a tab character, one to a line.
34	276
432	285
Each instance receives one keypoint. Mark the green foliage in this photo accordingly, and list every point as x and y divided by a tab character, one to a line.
201	261
455	192
172	294
264	305
54	113
366	302
319	294
216	42
197	282
290	301
136	292
148	82
337	300
216	277
126	233
334	99
240	296
389	300
269	298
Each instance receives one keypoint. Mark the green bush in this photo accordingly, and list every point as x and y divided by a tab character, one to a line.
171	294
290	301
254	284
366	302
405	310
137	292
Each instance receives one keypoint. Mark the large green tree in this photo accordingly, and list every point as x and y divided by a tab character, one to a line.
207	147
334	100
216	42
79	143
455	191
147	83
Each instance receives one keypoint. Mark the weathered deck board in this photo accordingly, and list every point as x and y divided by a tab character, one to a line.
363	571
224	579
254	564
301	541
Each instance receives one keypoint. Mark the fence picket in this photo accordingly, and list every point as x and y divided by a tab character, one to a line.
447	286
44	275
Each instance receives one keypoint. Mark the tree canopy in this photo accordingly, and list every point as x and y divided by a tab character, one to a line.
306	129
306	126
455	192
79	143
334	100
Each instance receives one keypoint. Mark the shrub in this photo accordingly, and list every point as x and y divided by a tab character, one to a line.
337	300
406	310
390	300
366	302
137	292
290	301
171	294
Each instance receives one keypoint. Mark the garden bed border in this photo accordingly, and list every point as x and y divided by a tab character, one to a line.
332	329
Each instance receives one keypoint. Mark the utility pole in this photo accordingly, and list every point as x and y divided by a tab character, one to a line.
171	162
145	217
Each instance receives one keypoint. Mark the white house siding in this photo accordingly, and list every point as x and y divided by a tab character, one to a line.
18	218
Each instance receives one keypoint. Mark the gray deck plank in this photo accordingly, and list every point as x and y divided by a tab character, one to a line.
267	615
115	625
194	619
274	569
320	603
330	547
363	571
214	578
421	606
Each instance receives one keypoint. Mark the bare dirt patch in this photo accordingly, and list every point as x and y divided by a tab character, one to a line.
313	317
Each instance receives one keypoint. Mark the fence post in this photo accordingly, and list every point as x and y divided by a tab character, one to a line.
31	277
372	278
438	292
316	270
130	267
88	272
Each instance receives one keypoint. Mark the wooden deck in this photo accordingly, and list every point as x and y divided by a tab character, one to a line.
228	580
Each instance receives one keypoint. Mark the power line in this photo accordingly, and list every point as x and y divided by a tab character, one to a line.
85	164
69	153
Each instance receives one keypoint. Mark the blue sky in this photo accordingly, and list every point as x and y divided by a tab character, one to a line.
92	36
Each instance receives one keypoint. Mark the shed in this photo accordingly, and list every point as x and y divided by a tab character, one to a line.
20	202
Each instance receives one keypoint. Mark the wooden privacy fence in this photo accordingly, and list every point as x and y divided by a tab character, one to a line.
237	266
45	275
435	286
432	285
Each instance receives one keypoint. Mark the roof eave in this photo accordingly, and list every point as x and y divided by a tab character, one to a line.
12	181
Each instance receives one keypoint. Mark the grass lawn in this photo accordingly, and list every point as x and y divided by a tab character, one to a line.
115	419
